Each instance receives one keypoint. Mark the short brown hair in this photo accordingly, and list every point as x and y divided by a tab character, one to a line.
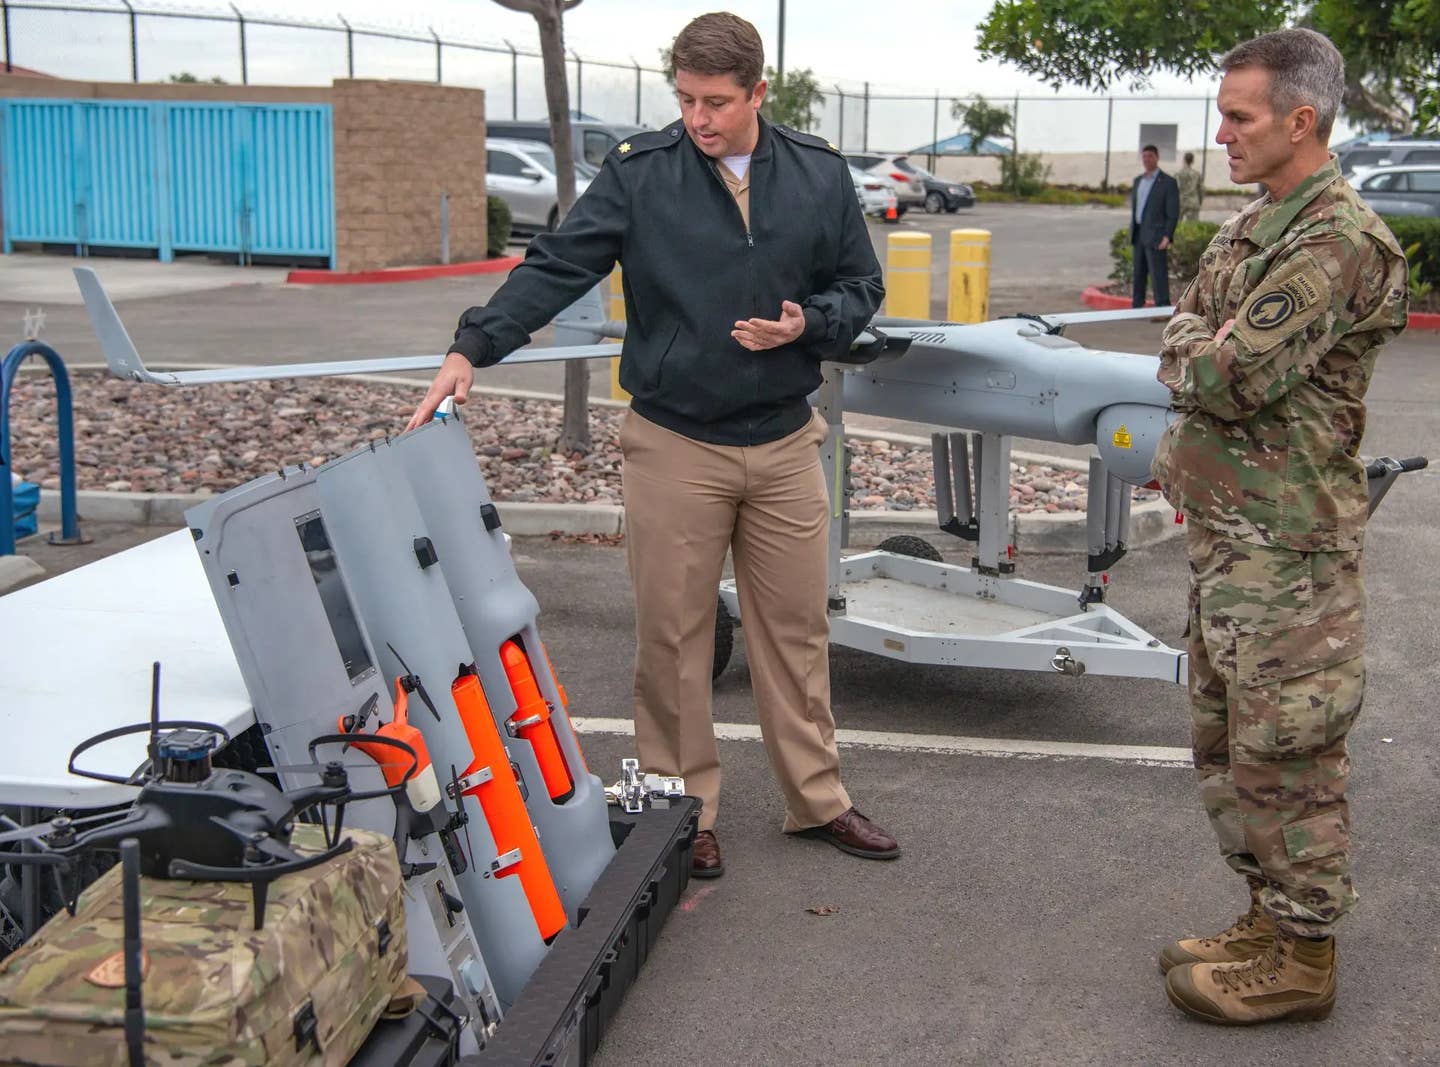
1305	69
720	43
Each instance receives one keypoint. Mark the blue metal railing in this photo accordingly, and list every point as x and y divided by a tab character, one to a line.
69	520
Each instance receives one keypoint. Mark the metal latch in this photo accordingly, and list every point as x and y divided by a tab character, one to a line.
505	861
467	782
514	726
637	789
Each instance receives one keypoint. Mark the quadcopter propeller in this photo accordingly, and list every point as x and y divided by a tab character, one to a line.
58	832
410	682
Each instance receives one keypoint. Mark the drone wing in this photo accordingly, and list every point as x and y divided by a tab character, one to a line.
124	360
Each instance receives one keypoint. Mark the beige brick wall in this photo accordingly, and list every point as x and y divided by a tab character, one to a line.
399	146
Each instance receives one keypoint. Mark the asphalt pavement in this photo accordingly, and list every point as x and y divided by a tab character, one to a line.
1021	925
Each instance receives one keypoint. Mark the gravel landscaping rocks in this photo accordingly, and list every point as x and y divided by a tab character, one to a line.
151	439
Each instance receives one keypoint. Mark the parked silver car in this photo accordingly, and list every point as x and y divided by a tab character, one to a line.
1403	190
522	173
1358	161
876	194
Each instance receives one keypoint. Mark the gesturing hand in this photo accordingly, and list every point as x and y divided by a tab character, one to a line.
453	379
760	334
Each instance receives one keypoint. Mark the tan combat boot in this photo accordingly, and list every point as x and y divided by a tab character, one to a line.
1248	937
1294	979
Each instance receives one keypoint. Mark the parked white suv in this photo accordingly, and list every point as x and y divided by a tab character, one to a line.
909	185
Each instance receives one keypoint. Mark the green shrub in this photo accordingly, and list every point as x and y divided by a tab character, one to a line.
1122	256
1423	235
497	226
1191	240
1024	173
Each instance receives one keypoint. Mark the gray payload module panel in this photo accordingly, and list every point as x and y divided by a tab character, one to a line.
308	663
388	564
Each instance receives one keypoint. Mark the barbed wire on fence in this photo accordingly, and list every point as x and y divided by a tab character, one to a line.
119	40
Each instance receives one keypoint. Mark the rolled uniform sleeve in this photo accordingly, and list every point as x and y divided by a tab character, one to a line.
1285	326
559	268
835	316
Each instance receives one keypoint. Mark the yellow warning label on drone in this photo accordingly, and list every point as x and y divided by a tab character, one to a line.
1121	437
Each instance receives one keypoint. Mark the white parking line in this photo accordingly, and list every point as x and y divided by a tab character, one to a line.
942	744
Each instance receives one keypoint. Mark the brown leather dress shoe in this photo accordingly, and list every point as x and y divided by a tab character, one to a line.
853	833
705	861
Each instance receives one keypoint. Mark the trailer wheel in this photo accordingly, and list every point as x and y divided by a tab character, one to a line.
724	640
908	545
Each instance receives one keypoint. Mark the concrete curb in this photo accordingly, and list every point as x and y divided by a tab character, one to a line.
498	265
17	569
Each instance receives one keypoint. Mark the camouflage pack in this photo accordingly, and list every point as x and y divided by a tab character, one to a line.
306	988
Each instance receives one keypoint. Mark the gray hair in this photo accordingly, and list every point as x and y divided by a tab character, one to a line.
1305	69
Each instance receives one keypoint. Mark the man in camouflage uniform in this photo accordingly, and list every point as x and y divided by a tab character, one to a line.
1269	356
1189	181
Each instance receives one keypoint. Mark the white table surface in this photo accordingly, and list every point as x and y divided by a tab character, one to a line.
75	659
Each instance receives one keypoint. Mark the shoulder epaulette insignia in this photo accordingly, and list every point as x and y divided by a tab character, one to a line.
809	139
643	141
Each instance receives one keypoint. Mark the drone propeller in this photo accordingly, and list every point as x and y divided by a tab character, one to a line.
56	833
410	682
153	727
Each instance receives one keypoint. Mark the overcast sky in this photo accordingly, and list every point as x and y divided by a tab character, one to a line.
911	46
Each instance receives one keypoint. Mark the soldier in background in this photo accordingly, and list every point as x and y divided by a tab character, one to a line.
1190	192
1268	357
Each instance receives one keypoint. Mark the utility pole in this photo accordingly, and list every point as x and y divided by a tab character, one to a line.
780	51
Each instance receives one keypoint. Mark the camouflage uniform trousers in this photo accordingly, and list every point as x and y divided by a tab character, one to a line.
1189	212
1277	675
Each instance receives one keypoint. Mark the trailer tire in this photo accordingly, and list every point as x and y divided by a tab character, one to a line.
909	545
724	640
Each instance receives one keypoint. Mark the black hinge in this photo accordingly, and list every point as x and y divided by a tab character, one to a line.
490	516
425	552
306	1029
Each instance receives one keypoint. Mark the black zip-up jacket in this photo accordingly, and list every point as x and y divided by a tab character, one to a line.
660	207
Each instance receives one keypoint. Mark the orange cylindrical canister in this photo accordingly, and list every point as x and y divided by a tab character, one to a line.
531	721
504	808
565	704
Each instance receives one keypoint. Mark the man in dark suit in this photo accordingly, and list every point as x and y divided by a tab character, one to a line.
1154	211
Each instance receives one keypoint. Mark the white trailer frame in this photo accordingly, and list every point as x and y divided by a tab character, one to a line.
922	611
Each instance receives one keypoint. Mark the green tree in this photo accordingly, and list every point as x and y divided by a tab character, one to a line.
186	78
981	119
1391	47
793	101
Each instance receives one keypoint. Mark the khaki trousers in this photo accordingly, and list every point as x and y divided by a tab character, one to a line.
686	503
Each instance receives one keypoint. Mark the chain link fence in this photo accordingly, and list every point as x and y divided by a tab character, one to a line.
1084	140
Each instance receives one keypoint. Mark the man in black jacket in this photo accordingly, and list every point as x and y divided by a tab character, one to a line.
747	263
1154	211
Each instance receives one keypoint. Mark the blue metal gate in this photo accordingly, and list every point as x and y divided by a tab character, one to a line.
247	179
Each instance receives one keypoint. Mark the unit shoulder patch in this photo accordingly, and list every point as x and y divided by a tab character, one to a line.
1283	305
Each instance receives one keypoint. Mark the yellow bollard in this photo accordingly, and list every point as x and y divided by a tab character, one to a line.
617	313
969	276
907	275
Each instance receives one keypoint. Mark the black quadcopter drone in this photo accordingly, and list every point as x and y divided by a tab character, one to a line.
194	821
